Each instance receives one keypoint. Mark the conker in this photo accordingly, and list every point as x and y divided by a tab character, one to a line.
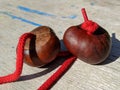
42	48
88	41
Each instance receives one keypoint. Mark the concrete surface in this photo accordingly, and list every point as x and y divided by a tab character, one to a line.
20	16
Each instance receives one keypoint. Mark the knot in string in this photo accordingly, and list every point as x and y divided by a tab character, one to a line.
88	25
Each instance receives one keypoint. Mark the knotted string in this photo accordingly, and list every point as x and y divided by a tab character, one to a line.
88	25
19	60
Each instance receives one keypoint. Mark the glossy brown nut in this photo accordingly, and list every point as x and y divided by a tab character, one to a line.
43	48
92	49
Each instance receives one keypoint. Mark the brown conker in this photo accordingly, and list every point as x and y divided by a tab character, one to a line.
42	48
88	41
92	49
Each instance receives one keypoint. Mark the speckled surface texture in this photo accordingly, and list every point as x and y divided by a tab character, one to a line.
20	16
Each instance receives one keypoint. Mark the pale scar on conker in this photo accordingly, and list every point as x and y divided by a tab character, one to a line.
42	48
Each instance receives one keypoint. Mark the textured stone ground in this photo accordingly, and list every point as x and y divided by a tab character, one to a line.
20	16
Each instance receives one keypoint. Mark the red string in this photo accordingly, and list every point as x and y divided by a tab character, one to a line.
84	14
63	53
88	25
51	80
19	60
19	65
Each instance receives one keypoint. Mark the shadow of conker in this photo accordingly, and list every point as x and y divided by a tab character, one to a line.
49	67
115	51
